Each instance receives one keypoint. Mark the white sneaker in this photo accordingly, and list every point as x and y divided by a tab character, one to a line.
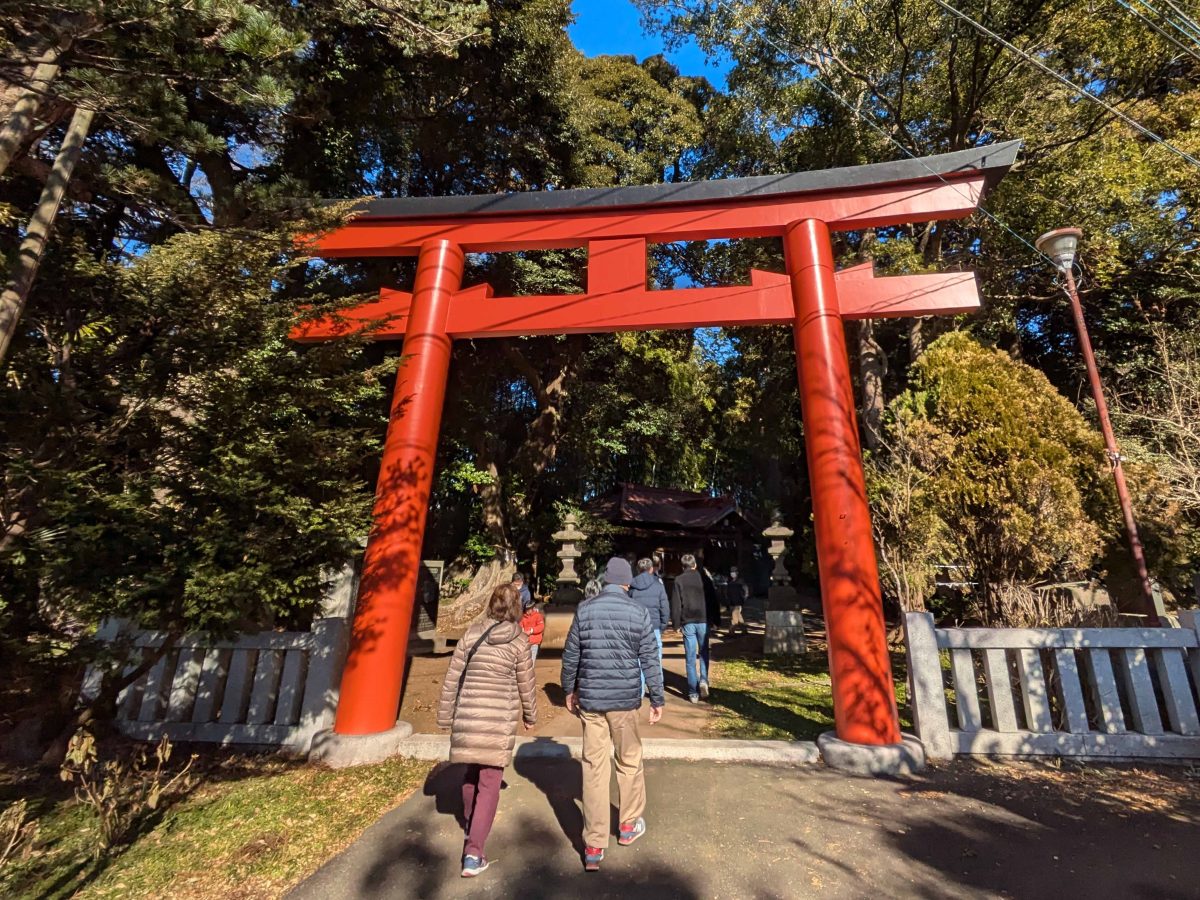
704	690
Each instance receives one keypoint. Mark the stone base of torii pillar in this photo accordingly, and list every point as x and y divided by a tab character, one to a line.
340	751
905	758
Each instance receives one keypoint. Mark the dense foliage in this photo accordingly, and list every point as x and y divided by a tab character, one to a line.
987	467
816	83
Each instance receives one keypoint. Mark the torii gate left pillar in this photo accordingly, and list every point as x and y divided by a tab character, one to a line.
811	296
374	671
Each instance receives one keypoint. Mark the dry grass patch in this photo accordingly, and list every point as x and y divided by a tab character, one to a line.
252	829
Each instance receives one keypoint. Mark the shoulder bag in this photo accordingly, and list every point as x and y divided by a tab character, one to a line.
467	662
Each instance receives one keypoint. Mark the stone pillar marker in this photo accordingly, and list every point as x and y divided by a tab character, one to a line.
785	622
568	590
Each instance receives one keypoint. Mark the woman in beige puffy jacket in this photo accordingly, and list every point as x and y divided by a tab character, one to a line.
489	683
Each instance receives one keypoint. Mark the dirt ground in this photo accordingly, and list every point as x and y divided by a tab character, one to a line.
681	719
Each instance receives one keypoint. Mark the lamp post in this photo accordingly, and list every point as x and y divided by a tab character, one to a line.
1060	245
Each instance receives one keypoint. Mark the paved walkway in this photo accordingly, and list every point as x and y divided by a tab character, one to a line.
739	831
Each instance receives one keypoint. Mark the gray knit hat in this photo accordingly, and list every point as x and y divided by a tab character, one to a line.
618	571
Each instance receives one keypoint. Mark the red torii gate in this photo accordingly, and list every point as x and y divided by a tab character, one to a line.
615	224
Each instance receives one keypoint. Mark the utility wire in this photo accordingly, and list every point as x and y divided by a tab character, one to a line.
1187	29
816	78
1083	92
1187	19
1158	28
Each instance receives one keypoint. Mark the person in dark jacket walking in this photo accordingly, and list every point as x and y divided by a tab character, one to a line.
610	644
689	610
518	581
737	592
648	590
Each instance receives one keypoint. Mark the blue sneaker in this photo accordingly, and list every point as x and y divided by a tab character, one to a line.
473	865
631	831
592	857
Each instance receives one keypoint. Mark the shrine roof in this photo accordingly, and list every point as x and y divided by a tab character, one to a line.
639	504
992	160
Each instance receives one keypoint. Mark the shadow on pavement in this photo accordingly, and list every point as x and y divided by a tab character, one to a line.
562	783
968	830
412	862
675	683
719	830
554	693
416	868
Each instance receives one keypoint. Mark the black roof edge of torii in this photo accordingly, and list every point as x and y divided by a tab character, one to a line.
993	160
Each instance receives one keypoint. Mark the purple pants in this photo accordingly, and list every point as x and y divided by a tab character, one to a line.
481	796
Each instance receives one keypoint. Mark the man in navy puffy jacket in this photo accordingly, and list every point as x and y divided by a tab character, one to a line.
609	649
647	589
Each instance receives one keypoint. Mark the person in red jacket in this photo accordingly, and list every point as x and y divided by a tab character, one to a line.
533	623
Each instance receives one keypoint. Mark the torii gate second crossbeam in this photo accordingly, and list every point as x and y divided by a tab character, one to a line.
615	225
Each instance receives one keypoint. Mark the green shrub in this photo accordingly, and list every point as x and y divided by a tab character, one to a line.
987	466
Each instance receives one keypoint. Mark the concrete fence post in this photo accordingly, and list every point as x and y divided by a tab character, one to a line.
928	692
1190	618
330	642
93	678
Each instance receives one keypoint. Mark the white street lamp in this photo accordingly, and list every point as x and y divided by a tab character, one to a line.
1060	245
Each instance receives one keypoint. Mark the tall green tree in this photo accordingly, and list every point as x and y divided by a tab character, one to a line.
168	454
544	420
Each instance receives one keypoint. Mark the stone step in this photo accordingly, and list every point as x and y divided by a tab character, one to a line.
784	753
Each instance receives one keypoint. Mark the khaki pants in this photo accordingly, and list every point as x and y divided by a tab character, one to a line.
736	619
602	733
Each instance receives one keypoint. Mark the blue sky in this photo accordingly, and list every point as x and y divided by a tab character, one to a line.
615	26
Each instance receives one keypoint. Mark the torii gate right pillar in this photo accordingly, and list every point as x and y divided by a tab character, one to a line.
864	698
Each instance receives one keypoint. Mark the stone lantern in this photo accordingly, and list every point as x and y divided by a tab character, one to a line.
568	579
778	535
785	621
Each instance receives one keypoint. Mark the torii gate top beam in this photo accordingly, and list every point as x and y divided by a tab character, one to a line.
913	190
616	224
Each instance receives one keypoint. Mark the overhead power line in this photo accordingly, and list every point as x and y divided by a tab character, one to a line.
1185	17
1083	92
1159	29
1187	29
816	78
